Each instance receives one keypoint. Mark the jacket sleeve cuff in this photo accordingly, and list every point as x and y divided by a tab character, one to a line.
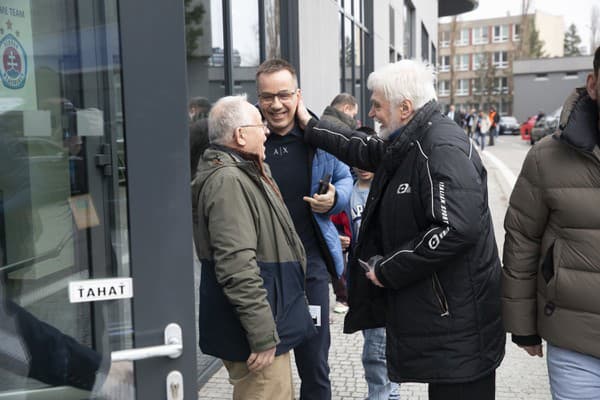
262	342
529	340
379	274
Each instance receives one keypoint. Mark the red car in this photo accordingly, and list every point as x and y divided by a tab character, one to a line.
527	126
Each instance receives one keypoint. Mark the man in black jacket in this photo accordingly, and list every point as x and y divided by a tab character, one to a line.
426	243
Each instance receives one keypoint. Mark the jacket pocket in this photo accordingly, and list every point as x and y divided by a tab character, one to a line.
441	299
550	269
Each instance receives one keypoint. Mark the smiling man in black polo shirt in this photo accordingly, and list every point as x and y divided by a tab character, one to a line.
297	169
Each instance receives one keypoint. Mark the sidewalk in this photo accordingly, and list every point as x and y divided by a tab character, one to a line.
520	377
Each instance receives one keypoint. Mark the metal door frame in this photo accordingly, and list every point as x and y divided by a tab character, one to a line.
154	91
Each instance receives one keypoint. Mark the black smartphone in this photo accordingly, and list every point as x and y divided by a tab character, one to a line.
324	184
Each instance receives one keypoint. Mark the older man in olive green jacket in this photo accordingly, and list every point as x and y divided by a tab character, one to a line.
253	310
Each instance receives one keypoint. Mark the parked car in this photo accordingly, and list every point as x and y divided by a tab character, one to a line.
527	126
545	126
508	125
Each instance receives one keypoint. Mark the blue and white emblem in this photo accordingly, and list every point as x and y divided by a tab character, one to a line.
13	68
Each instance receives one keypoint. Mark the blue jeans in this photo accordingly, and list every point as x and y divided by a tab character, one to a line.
573	375
373	359
480	139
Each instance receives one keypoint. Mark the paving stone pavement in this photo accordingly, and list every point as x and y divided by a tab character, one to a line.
520	377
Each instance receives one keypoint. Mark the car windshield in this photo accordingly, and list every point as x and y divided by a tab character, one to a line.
508	120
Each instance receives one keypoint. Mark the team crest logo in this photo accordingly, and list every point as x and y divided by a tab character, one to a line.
13	68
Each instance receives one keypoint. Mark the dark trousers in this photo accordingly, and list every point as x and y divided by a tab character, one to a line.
481	389
312	355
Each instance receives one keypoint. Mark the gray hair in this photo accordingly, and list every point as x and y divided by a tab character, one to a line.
343	99
227	114
404	80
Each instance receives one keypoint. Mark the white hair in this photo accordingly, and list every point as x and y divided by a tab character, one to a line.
227	114
404	80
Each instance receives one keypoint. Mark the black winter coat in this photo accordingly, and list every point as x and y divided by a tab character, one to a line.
428	216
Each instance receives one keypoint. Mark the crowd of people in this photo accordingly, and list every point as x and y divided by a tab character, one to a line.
399	222
477	124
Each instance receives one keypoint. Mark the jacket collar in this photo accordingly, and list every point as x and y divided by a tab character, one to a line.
404	137
578	125
334	113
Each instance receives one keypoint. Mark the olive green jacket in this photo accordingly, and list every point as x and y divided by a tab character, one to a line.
253	263
551	275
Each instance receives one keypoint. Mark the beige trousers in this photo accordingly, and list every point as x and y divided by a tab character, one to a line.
273	382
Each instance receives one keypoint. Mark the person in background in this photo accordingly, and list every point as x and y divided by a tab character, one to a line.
297	169
471	122
482	126
373	354
454	115
342	110
198	108
250	254
426	242
494	119
551	280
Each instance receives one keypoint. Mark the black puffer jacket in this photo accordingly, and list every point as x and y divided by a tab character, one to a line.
428	216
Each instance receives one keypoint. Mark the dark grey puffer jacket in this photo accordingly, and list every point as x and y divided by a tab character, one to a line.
551	275
253	263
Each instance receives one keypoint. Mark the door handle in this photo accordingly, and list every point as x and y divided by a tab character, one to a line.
172	348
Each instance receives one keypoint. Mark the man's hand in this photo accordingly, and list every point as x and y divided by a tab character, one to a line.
118	384
535	350
345	242
302	115
373	278
258	361
321	203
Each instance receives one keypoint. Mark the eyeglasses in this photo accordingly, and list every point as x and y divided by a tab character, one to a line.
284	96
263	126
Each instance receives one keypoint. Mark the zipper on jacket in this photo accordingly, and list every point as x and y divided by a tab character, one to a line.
441	297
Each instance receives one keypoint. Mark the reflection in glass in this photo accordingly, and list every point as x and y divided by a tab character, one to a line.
272	29
246	52
62	216
206	62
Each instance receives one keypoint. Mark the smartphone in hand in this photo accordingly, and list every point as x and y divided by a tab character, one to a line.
324	184
364	265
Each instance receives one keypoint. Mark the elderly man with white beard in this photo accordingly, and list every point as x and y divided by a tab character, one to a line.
426	263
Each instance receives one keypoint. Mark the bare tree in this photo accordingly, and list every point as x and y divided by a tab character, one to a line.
522	50
453	37
594	28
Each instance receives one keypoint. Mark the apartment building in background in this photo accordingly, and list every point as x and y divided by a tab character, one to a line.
475	64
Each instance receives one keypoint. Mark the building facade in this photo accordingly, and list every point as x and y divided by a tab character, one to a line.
543	84
334	44
475	66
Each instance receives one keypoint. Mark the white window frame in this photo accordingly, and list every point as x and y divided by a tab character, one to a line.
476	59
445	39
499	88
443	88
503	37
460	89
516	36
503	63
463	37
478	37
443	67
458	62
474	85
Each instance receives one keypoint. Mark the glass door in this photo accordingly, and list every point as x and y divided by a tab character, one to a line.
84	276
